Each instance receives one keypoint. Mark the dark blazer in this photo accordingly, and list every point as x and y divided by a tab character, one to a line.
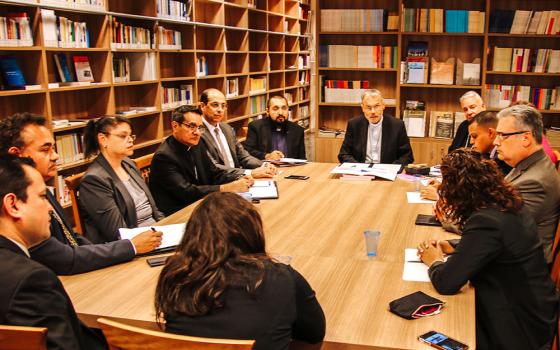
241	158
501	255
461	138
106	204
32	295
395	144
259	139
537	181
57	254
175	184
284	307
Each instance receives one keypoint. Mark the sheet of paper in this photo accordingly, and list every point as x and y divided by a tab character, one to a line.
264	189
172	234
292	160
414	198
414	269
415	127
385	171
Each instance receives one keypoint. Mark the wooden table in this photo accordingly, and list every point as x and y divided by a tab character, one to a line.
320	224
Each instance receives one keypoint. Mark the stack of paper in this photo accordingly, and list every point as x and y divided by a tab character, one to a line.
264	189
414	268
385	171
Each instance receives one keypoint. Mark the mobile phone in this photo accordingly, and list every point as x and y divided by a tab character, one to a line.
157	261
441	341
297	177
427	220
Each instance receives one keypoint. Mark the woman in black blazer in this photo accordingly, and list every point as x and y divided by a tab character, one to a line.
221	283
112	193
499	253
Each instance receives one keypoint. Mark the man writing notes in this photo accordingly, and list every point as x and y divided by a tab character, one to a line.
31	294
221	141
65	252
472	104
275	137
375	137
182	172
519	138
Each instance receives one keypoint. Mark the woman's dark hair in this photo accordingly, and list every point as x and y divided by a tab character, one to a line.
470	183
223	245
100	126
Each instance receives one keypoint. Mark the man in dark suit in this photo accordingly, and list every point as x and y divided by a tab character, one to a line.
182	172
221	141
65	252
31	294
519	142
374	137
276	137
472	104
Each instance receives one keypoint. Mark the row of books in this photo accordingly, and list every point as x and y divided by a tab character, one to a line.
177	10
507	59
95	5
432	20
175	97
82	70
169	39
304	77
129	37
59	31
303	61
201	66
352	56
553	136
442	124
15	30
501	96
258	104
358	20
342	91
69	148
525	22
134	67
232	87
298	95
257	84
450	72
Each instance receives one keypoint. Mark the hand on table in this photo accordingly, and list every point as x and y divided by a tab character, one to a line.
430	191
267	170
274	155
239	185
430	252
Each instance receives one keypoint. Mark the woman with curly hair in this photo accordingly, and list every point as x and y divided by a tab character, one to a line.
220	283
499	253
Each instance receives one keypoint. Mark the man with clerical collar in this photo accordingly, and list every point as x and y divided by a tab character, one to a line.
276	137
182	172
375	137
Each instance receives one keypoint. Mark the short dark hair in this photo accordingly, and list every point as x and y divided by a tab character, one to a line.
179	112
526	117
486	118
100	126
276	97
13	177
11	128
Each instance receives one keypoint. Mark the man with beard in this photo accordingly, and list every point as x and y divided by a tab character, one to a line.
275	137
375	137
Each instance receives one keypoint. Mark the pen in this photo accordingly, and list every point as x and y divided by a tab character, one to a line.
153	229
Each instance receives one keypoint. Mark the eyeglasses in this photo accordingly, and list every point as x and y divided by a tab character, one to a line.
216	105
124	137
192	127
505	135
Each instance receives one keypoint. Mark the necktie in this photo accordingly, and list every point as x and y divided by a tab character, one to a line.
67	233
222	149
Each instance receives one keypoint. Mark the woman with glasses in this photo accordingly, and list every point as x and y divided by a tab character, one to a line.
112	193
500	253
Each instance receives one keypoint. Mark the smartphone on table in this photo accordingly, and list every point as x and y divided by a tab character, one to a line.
297	177
441	341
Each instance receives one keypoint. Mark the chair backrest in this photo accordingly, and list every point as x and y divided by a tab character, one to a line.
124	337
143	164
72	182
23	338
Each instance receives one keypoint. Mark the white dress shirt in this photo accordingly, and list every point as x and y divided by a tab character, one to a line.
373	150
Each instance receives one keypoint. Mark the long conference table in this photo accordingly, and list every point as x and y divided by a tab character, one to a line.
319	223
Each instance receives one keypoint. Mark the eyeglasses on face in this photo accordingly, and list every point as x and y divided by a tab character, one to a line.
123	136
216	105
505	135
193	126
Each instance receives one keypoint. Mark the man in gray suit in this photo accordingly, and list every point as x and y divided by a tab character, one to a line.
519	138
223	148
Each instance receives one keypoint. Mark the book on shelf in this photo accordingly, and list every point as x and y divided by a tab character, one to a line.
121	69
456	21
304	112
62	191
525	22
89	5
417	49
431	20
458	118
352	56
69	148
344	91
169	39
501	96
441	124
442	73
289	97
83	69
417	70
63	123
304	77
12	76
553	136
468	73
61	63
177	10
357	20
257	84
303	61
175	97
48	20
507	59
415	122
71	34
201	66
143	66
258	104
15	30
232	87
129	37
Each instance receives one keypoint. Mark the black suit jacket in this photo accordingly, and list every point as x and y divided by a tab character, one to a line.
501	254
175	184
395	144
57	254
259	139
32	295
106	204
461	138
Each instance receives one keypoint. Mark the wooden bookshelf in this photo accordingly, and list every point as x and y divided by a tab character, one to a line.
236	40
442	46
